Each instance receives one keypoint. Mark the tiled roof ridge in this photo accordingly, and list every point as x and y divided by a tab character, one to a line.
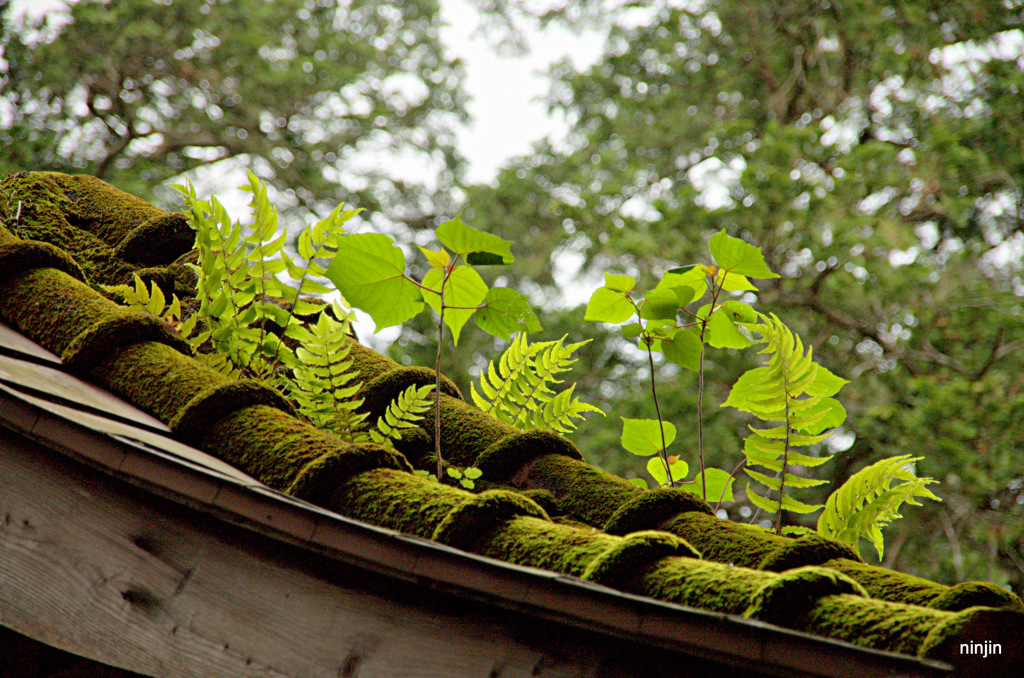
371	483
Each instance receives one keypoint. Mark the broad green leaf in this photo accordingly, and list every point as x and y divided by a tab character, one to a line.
619	283
465	290
463	239
718	482
632	330
721	332
693	279
683	348
739	312
436	258
639	482
733	282
370	272
656	467
642	437
659	305
826	383
505	312
736	256
608	306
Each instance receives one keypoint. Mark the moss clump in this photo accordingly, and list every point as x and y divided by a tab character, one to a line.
396	500
276	448
535	542
728	542
107	230
109	335
51	307
156	378
650	510
17	256
1004	627
466	431
476	517
787	597
904	588
584	492
219	401
702	584
506	457
620	565
319	478
368	363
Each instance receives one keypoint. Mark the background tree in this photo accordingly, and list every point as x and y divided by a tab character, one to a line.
874	151
336	101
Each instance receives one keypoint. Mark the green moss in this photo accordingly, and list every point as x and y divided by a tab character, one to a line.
156	378
219	401
872	623
18	256
466	431
544	499
904	588
973	627
728	542
623	563
507	456
277	449
476	517
535	542
584	492
787	597
650	510
396	500
368	363
112	333
108	231
321	477
51	307
703	584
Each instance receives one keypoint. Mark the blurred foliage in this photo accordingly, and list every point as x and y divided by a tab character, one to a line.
306	93
874	151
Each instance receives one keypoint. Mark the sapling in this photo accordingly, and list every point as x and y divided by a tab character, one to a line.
369	270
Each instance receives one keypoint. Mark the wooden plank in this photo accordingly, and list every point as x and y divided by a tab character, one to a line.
105	570
15	342
53	382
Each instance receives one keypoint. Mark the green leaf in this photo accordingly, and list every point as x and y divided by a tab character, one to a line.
619	283
656	467
721	332
639	482
683	348
463	239
506	312
718	483
464	289
632	330
642	437
370	272
608	306
660	304
436	259
736	256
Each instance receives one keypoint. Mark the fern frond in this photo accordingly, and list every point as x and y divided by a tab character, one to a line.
794	393
148	299
518	390
868	502
403	413
324	385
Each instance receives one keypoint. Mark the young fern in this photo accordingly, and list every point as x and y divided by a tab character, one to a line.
324	385
794	393
148	299
518	389
869	501
404	412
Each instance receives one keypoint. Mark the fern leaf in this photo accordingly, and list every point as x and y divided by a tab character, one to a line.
404	412
868	502
518	388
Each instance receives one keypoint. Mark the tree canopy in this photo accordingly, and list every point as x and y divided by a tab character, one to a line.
337	101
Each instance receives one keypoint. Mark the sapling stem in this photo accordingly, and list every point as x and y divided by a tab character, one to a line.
661	424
